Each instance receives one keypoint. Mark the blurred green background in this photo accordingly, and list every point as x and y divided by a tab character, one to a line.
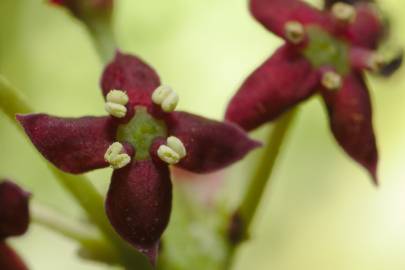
322	212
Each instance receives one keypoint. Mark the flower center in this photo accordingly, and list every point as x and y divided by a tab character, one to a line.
141	131
325	50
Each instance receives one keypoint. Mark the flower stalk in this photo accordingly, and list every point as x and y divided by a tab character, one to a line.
13	102
92	247
260	179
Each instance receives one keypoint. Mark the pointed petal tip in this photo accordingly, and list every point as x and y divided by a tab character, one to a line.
150	251
138	204
372	169
74	145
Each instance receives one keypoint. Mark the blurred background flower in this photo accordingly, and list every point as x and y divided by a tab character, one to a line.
322	212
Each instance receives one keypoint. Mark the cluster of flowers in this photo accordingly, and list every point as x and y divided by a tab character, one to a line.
325	52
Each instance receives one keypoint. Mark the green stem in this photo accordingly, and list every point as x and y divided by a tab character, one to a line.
61	224
13	102
92	247
102	35
261	178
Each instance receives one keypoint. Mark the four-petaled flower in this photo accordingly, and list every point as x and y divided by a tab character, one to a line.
324	52
14	220
142	135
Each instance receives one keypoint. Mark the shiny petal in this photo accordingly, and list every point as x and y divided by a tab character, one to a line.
14	216
210	145
9	260
273	14
368	29
129	73
281	82
351	121
74	145
139	204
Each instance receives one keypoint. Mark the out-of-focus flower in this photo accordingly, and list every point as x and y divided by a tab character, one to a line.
140	138
325	52
14	220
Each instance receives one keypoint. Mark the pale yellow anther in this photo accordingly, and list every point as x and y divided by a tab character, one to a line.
170	102
160	94
115	109
331	80
116	101
177	145
376	62
166	97
117	96
173	152
116	156
168	155
294	32
344	12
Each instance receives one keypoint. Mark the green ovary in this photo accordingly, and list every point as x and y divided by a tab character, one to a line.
325	50
141	131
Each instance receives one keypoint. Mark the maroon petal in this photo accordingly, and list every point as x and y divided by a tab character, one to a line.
351	121
329	3
139	204
273	14
368	29
9	260
281	82
74	145
210	145
129	73
14	216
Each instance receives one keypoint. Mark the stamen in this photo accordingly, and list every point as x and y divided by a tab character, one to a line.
116	156
177	145
168	155
331	80
173	152
170	103
166	97
294	32
117	96
344	12
116	101
160	94
116	110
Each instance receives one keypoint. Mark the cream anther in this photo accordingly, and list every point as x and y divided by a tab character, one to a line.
294	32
173	152
166	97
116	156
331	80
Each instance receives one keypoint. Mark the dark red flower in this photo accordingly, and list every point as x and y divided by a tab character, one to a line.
140	138
325	52
14	220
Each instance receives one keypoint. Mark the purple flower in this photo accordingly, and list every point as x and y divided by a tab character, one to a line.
14	220
325	52
139	139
